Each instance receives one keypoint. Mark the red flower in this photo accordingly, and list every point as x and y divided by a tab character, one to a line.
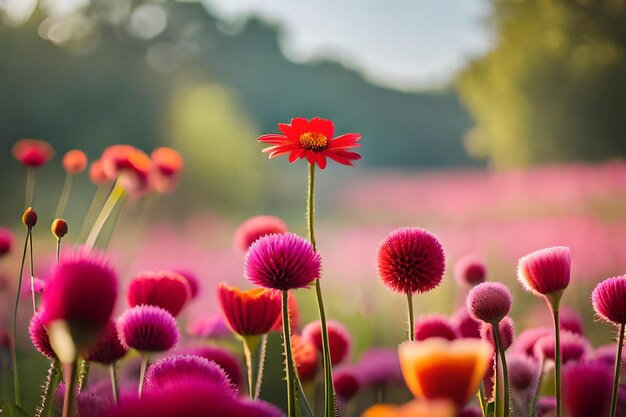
249	313
338	339
313	140
305	357
74	161
167	290
32	152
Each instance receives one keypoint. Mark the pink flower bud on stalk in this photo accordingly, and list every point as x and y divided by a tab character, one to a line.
434	325
470	271
609	303
74	162
546	273
255	227
490	302
338	338
6	241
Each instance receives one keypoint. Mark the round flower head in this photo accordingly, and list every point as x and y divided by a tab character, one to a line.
570	319
434	325
249	313
609	300
226	360
32	152
465	325
436	369
131	165
6	241
523	372
97	174
294	315
346	383
255	227
59	228
413	408
339	340
164	289
470	270
166	166
546	271
81	290
587	389
39	334
192	281
108	349
210	327
178	370
190	398
507	332
313	140
411	260
305	357
282	262
379	366
574	347
74	161
148	329
526	341
489	302
29	218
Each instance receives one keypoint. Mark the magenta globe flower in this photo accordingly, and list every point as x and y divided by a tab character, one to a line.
108	349
148	329
338	338
545	272
282	262
470	271
434	325
39	334
587	388
224	358
489	302
347	383
465	325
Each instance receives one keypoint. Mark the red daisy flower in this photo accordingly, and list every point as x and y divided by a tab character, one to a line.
313	140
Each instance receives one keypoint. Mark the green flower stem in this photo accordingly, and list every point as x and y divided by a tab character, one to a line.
409	298
329	392
505	372
532	412
117	193
98	199
65	195
557	362
58	250
83	373
30	187
45	407
113	374
32	271
145	359
618	364
16	376
261	367
69	372
481	399
289	369
250	344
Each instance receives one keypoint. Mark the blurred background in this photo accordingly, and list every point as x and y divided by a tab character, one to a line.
498	125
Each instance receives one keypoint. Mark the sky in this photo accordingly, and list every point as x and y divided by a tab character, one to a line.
405	44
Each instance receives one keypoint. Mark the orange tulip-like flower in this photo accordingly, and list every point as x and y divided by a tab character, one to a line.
437	369
313	140
131	165
33	152
166	166
412	409
74	161
249	313
97	174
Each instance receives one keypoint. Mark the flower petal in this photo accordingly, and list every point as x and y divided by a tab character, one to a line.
323	126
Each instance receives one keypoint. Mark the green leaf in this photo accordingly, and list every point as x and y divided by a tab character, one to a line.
491	408
11	410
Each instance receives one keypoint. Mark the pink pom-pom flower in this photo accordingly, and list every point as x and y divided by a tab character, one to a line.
507	332
6	241
339	340
574	347
587	389
410	260
177	370
346	383
434	325
465	325
39	334
282	262
489	302
254	228
470	270
108	349
546	271
226	360
81	291
609	300
148	329
164	289
523	373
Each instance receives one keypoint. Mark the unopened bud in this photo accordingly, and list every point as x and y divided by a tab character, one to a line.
59	228
29	218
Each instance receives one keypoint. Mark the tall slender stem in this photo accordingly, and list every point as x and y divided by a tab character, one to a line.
30	187
557	361
618	365
97	200
32	270
16	376
247	351
145	359
505	373
58	249
289	369
261	367
329	394
113	374
497	403
409	298
481	399
69	372
65	195
117	193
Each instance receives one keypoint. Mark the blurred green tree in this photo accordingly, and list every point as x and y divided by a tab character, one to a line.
553	88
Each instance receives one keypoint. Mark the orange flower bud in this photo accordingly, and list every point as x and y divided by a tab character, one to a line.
29	218
75	161
59	228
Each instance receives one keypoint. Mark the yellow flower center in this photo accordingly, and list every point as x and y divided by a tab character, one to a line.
313	141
